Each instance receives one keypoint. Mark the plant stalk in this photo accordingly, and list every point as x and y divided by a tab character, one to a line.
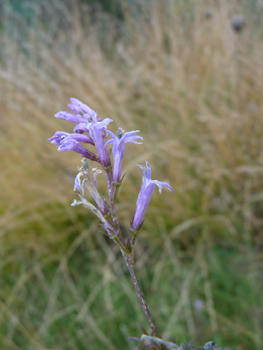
129	262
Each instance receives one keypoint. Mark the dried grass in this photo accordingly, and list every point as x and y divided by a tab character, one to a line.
193	87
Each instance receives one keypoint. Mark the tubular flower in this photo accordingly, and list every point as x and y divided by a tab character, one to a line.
69	144
145	195
61	136
70	117
77	106
83	113
118	149
97	133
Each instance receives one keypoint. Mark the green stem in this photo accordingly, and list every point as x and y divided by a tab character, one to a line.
122	246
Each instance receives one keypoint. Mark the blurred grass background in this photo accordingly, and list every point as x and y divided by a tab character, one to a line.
178	72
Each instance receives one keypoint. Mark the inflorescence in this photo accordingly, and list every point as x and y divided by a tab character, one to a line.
92	131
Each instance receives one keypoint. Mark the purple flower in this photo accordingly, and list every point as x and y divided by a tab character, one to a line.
118	149
145	195
97	133
71	117
83	113
69	144
77	106
61	136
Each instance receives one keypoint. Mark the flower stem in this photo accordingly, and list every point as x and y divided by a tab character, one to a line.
122	246
129	262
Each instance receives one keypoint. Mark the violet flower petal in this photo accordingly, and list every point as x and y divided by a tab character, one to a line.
70	117
145	195
96	130
77	182
69	144
79	106
118	150
81	127
60	137
80	138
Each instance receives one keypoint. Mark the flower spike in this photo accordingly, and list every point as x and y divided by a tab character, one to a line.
90	130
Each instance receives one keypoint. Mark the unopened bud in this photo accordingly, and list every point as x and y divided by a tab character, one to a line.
85	164
74	203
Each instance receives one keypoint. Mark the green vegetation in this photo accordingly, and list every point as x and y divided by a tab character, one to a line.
193	87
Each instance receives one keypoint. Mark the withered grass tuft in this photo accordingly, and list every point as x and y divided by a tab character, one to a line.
193	87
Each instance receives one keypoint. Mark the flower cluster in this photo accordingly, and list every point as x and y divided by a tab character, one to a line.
92	131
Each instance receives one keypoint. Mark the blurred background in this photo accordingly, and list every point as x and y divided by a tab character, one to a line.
189	75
